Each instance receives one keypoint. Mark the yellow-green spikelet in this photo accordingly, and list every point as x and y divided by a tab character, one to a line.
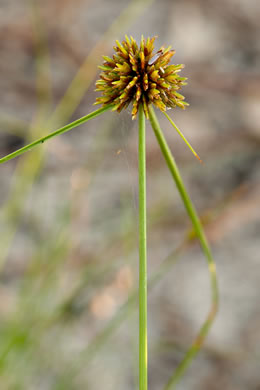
136	74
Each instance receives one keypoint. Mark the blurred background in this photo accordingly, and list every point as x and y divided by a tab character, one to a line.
69	220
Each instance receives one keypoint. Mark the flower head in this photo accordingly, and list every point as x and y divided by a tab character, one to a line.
136	74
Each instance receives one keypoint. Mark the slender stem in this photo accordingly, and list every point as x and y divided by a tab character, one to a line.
142	256
196	345
63	129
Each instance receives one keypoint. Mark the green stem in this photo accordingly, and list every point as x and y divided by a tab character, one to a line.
63	129
142	256
196	345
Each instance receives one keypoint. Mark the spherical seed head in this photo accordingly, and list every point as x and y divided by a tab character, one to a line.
136	74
